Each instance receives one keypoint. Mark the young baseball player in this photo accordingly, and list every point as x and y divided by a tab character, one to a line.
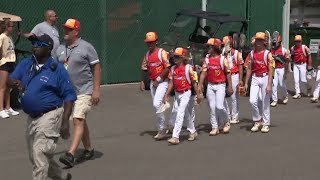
235	63
182	80
215	69
281	56
316	91
157	63
302	60
260	66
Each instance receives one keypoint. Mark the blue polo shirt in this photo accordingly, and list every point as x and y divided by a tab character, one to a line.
45	88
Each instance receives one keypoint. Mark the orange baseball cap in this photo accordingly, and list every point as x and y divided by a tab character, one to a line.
260	35
72	24
298	38
180	52
226	39
214	42
151	37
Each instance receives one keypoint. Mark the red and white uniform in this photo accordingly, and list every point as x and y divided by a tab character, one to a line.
260	63
300	56
317	85
216	68
155	63
235	58
182	77
279	72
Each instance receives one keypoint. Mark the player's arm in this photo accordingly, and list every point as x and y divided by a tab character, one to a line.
287	59
309	57
166	65
228	75
169	90
248	66
203	76
240	65
270	69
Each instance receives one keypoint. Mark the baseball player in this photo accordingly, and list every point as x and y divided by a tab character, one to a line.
315	97
182	80
235	63
301	57
215	69
281	56
260	66
157	63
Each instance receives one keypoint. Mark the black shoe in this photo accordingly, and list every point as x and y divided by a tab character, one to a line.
67	159
69	177
86	155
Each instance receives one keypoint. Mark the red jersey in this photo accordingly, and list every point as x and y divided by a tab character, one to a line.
280	51
156	63
182	77
215	67
236	58
261	61
300	54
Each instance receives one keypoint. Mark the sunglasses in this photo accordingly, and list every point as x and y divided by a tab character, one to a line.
39	44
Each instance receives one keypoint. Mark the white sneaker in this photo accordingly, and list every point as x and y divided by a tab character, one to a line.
256	126
226	128
285	101
296	96
4	114
274	103
234	121
12	112
314	99
265	129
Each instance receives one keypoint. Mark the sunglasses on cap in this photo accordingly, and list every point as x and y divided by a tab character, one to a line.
39	44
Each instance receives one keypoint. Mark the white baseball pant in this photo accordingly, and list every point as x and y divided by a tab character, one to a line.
278	79
216	99
189	114
260	84
226	105
235	97
317	85
300	73
157	94
183	100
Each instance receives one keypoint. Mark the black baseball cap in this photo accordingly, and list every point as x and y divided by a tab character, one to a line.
43	38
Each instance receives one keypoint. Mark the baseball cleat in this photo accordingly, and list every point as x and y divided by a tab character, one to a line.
274	103
285	101
296	96
234	121
192	136
226	127
214	132
160	136
265	129
174	141
314	99
256	126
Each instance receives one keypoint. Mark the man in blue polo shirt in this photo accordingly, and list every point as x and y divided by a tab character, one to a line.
44	86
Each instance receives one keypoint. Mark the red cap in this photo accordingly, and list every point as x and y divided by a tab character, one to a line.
151	37
214	42
72	24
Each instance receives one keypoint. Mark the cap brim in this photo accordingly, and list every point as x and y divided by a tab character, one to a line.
150	40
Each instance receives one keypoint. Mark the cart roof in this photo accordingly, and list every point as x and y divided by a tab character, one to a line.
214	16
13	18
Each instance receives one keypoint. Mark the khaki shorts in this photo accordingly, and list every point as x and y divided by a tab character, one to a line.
82	106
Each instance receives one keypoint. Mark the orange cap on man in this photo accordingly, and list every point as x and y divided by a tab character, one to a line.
214	42
260	35
180	52
151	37
298	38
72	24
